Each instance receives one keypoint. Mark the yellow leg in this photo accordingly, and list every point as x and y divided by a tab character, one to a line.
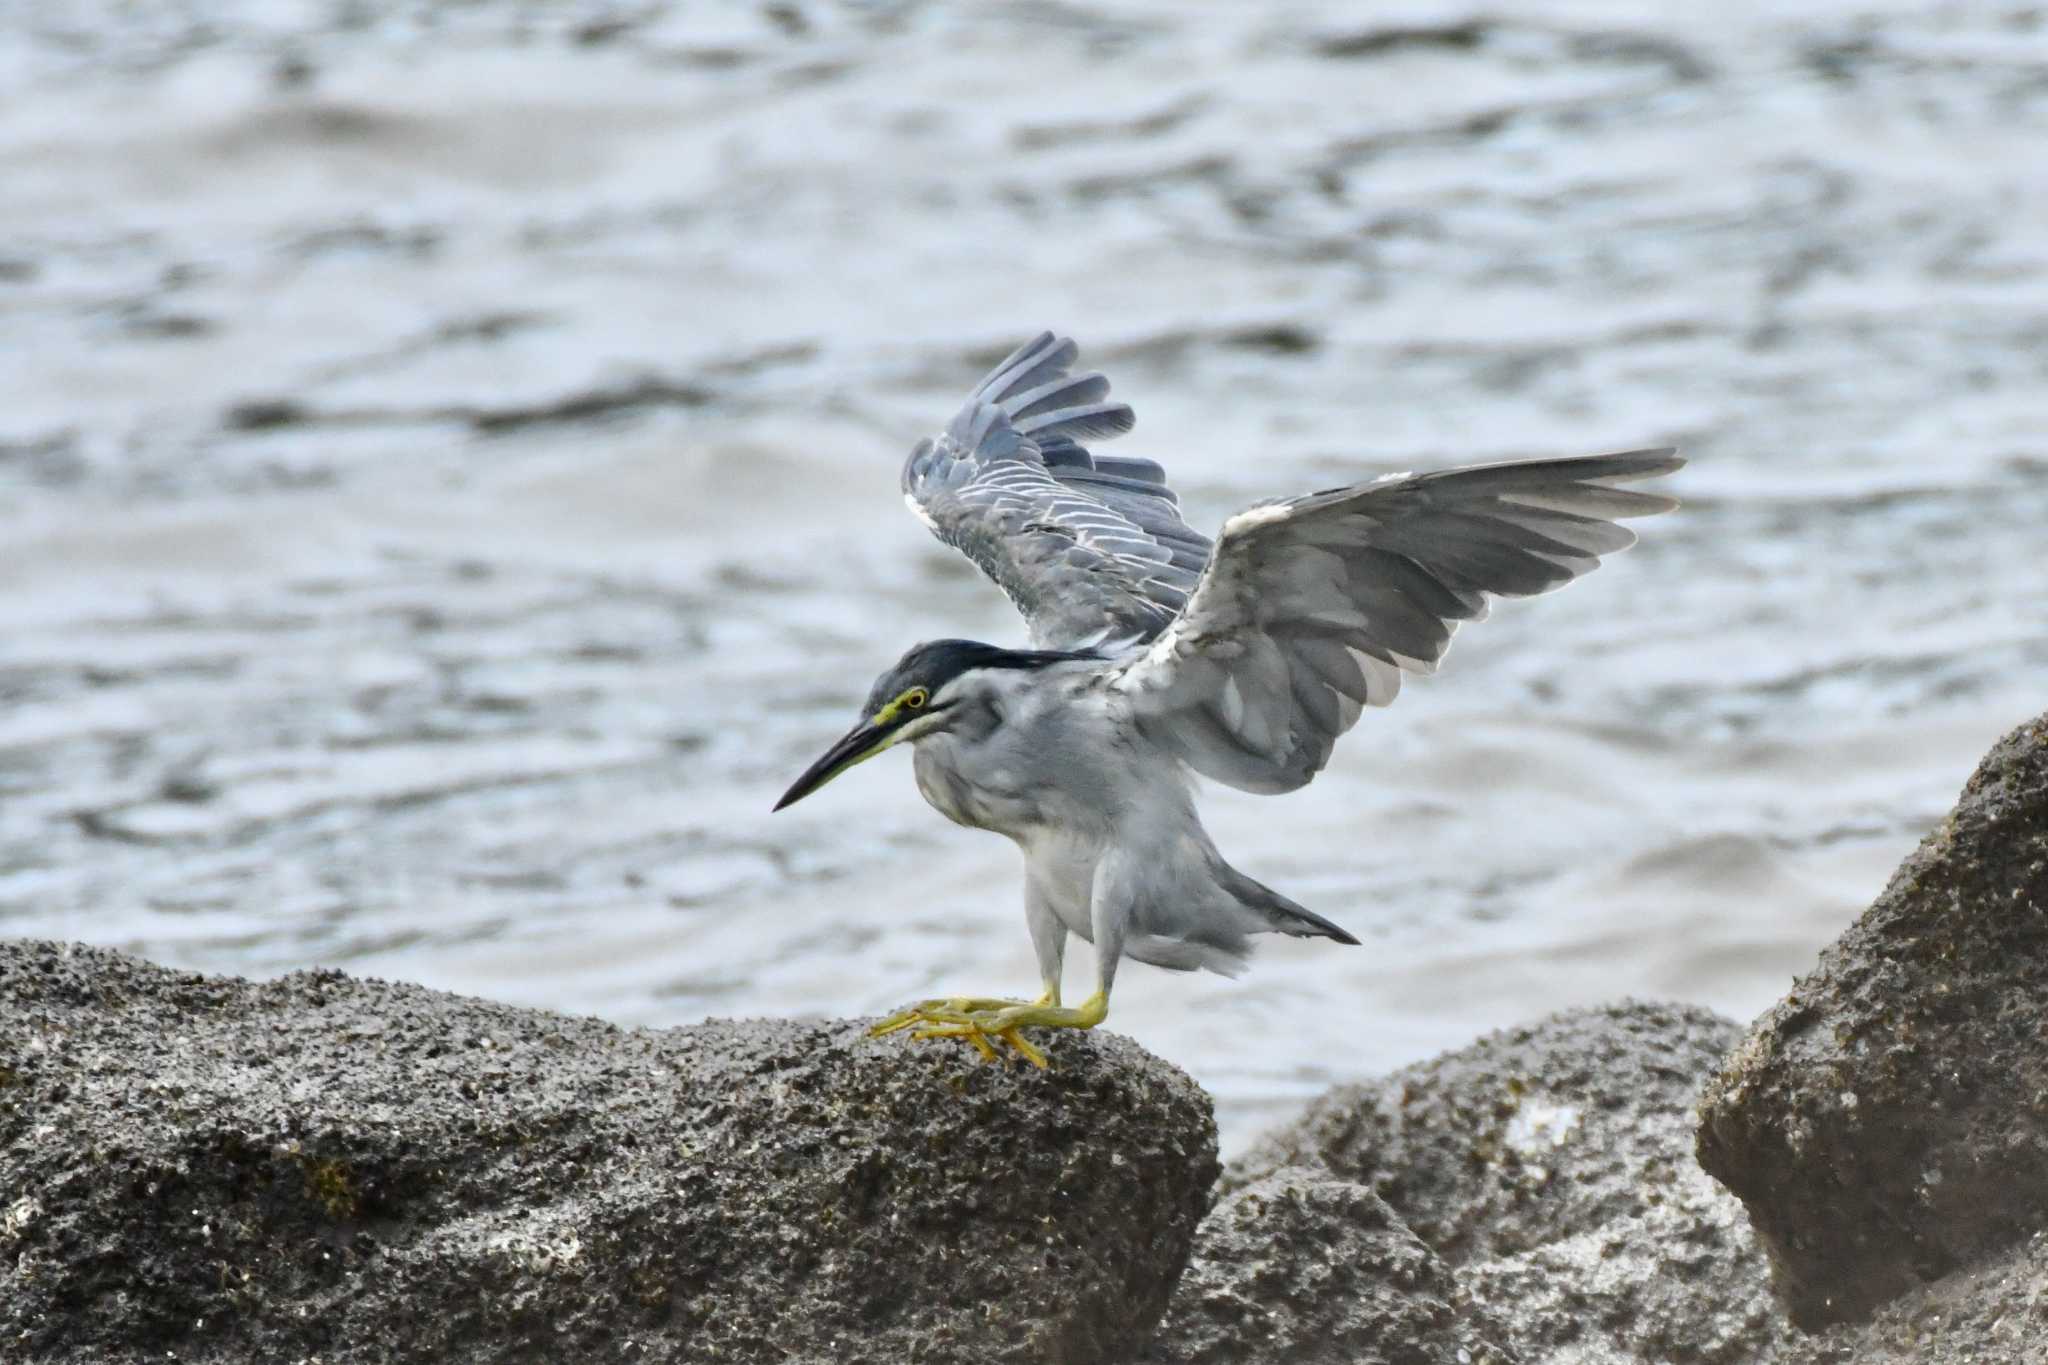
977	1021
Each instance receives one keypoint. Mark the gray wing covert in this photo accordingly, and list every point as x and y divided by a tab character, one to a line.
1312	608
1090	548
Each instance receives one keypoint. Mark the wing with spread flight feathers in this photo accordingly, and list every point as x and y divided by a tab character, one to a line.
1090	548
1311	609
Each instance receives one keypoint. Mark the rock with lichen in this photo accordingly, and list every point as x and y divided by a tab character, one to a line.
325	1167
1887	1122
1298	1268
1551	1168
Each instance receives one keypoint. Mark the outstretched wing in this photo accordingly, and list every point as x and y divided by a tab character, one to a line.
1089	548
1311	609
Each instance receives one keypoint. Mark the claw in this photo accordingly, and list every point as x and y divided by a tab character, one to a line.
1025	1049
954	1009
978	1020
962	1030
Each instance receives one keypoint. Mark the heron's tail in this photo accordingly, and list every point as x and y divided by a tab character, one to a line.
1282	914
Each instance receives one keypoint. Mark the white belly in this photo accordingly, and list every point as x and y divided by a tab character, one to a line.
1062	870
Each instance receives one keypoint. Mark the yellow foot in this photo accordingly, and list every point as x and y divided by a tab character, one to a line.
978	1021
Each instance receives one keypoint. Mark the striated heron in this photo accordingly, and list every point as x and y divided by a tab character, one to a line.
1160	655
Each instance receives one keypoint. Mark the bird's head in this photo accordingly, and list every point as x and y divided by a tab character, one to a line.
920	695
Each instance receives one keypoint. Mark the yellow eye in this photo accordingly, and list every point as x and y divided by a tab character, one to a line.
915	698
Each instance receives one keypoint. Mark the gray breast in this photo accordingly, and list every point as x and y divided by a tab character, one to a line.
974	788
1033	751
943	786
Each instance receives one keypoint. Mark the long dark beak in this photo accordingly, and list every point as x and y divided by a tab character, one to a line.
863	741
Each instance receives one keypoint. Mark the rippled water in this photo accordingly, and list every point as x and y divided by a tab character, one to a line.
448	455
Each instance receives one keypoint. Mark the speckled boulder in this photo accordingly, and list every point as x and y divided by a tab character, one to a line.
328	1167
1887	1121
1551	1166
1528	1135
1299	1269
1994	1311
1680	1281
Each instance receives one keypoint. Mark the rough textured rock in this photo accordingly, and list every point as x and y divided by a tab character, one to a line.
1681	1280
1888	1120
359	1171
1551	1167
1528	1135
1997	1310
1299	1268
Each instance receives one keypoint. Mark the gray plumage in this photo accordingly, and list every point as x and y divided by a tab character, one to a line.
1088	547
1161	655
1312	608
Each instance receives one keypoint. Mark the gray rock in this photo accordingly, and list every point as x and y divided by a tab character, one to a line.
1299	1268
1887	1122
324	1166
1680	1281
1551	1167
1529	1135
1997	1310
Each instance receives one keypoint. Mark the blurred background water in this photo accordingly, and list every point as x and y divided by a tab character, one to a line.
448	463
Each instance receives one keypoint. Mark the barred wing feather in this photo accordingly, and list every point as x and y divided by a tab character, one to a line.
1312	608
1090	548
